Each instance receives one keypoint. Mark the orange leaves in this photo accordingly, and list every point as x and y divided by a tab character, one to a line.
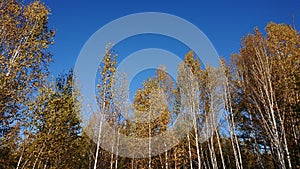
36	11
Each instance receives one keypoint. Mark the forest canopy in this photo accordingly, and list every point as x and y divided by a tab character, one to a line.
40	123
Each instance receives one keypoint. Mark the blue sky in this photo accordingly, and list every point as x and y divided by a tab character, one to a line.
223	22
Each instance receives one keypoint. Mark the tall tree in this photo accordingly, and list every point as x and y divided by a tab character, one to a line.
24	38
55	140
267	68
104	97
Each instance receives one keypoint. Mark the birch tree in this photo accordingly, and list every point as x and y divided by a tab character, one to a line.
264	64
104	97
24	59
189	91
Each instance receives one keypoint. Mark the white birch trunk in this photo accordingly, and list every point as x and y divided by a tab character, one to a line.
98	141
220	149
190	151
149	148
118	141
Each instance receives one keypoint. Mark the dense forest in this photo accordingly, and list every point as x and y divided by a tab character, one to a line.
40	123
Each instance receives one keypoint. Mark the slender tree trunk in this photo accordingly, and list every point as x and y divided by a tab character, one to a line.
209	129
207	160
175	158
220	149
259	161
195	109
111	160
212	153
231	123
204	163
267	96
190	151
190	90
132	163
98	141
118	141
26	161
16	53
285	146
20	159
40	152
112	150
161	161
45	166
166	156
40	162
36	159
149	148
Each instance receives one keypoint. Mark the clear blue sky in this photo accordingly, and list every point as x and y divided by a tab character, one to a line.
223	22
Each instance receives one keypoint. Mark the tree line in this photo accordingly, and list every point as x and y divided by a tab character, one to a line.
41	127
